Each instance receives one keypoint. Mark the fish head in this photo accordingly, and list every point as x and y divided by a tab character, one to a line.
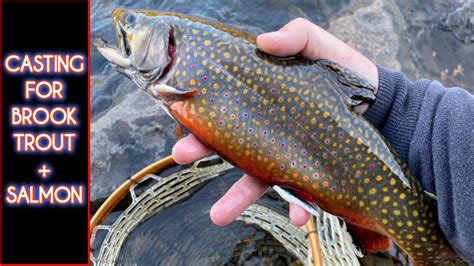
146	46
151	43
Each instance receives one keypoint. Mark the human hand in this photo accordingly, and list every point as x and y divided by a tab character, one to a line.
297	37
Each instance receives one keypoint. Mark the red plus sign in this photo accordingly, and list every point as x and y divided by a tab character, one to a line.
44	171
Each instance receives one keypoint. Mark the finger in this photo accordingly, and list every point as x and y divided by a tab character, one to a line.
284	42
240	196
188	150
313	42
298	215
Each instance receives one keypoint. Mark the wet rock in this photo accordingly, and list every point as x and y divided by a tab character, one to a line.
133	133
438	35
460	22
370	30
375	28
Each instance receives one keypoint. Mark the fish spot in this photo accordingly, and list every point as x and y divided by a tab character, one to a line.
207	42
386	199
409	236
372	166
402	196
396	212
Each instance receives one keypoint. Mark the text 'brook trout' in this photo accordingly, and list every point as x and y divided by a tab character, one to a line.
286	121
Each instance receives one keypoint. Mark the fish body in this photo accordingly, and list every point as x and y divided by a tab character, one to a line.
286	121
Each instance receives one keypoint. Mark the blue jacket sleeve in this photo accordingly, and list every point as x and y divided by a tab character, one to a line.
432	129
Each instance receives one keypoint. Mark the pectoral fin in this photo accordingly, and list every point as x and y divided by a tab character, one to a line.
168	93
179	132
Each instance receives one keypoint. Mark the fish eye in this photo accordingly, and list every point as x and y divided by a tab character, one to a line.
130	19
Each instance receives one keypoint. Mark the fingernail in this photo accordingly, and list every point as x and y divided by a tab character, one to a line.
276	35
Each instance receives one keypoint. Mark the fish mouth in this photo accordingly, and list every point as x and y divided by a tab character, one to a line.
120	58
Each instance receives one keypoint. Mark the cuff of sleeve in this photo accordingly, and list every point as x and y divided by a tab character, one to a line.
379	111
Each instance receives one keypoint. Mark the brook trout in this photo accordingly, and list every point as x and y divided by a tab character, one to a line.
287	121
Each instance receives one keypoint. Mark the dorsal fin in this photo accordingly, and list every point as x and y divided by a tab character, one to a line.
355	90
